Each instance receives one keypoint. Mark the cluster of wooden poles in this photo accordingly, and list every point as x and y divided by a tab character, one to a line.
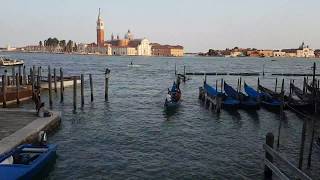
75	79
32	83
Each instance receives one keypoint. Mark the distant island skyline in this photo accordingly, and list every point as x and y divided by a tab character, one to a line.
211	25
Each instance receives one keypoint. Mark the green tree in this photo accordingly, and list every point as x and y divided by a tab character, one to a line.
62	44
69	46
75	48
40	43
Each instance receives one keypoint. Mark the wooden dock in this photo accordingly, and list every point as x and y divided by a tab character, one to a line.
25	93
20	126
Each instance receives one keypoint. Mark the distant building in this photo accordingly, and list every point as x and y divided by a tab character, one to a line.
167	50
100	31
95	49
265	53
317	53
130	47
303	52
124	51
279	53
9	48
253	53
236	54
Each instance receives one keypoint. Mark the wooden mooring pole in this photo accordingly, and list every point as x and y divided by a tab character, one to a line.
74	93
18	88
221	85
61	85
55	80
184	73
175	69
269	142
4	91
82	90
303	138
38	78
32	83
91	87
29	77
19	74
24	78
276	86
106	89
13	75
314	86
50	86
40	75
281	113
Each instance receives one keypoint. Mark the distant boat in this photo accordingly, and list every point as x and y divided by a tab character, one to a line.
26	161
173	97
10	62
133	65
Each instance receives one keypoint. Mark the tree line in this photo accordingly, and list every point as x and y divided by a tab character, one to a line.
52	43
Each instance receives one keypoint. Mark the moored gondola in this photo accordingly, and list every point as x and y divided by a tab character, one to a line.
245	101
173	97
266	100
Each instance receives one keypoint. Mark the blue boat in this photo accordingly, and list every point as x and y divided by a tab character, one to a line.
231	97
26	161
211	91
246	102
265	98
173	97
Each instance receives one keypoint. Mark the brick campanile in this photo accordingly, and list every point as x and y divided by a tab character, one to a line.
100	31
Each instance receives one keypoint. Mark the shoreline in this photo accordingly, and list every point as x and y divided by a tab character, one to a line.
187	55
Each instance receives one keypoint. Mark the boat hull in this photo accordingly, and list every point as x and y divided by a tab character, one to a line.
28	171
275	107
230	103
171	104
250	105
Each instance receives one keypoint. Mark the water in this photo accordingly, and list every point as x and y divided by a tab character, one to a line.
131	137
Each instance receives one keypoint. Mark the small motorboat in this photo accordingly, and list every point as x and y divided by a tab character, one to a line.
10	62
133	65
173	97
27	161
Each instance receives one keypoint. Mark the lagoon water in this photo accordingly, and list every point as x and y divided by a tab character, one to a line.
131	137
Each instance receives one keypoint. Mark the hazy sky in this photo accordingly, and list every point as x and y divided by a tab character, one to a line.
196	24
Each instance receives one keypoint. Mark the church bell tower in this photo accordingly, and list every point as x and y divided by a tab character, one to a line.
100	31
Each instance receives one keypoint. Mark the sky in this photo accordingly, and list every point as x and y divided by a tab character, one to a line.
196	24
